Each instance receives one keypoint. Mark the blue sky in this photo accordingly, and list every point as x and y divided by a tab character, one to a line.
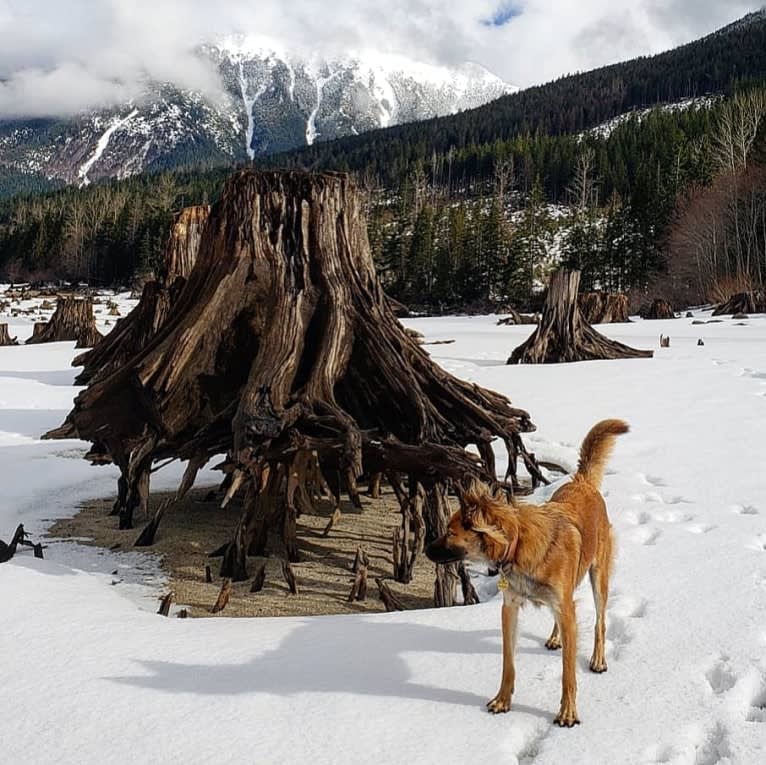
503	14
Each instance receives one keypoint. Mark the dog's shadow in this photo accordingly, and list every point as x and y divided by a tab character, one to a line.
333	655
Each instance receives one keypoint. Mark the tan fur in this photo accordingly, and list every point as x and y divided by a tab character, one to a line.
545	551
596	448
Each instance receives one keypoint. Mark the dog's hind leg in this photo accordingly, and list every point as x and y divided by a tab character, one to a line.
600	586
510	619
554	641
567	716
599	582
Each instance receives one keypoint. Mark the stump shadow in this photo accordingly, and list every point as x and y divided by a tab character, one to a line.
362	656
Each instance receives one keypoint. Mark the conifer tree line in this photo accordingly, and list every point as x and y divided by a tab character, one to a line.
477	225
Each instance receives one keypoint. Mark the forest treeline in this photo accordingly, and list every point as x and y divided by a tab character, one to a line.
477	208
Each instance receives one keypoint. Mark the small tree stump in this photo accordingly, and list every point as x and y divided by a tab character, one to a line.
657	309
5	336
604	307
359	587
563	335
743	302
390	601
223	597
72	320
259	578
289	575
165	603
700	342
664	341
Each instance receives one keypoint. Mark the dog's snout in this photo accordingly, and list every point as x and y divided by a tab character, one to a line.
439	552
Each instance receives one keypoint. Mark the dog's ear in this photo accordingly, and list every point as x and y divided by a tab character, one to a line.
499	543
471	494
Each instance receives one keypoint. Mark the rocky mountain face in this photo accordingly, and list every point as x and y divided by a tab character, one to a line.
271	101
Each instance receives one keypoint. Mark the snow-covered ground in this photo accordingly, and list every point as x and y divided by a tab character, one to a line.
91	674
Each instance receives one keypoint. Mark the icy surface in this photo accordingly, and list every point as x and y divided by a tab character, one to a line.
91	675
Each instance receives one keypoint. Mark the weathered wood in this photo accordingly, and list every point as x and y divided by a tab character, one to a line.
470	596
743	302
359	586
389	600
223	597
133	333
563	335
289	576
657	309
5	336
281	345
603	307
8	550
183	243
73	319
165	603
517	319
146	538
259	578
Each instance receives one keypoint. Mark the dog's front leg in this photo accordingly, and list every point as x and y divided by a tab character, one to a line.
567	716
510	617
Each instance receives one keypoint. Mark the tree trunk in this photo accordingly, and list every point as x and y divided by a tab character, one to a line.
603	307
564	335
5	336
282	345
72	320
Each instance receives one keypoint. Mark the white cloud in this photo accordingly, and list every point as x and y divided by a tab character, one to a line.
60	58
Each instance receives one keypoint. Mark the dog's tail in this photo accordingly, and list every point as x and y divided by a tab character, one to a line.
596	448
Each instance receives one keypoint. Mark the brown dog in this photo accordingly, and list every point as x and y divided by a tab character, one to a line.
543	552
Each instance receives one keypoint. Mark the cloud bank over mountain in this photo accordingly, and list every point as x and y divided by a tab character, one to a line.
60	59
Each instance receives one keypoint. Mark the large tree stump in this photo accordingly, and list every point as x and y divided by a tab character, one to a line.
283	352
134	332
657	309
563	335
5	336
73	319
604	307
743	302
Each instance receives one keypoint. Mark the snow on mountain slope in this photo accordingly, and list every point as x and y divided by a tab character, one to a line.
605	129
271	101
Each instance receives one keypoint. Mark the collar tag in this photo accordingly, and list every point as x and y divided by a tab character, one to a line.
502	583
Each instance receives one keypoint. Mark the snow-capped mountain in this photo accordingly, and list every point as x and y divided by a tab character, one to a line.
271	101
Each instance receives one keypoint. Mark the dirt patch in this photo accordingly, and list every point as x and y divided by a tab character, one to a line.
192	528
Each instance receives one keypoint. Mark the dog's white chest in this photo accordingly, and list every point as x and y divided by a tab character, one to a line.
519	585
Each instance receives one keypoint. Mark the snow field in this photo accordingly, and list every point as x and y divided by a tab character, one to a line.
92	674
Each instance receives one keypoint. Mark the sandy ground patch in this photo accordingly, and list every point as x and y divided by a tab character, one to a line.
197	525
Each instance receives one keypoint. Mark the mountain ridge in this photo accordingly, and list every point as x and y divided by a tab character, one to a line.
271	101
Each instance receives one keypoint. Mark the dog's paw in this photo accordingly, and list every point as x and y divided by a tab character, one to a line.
598	665
553	644
567	716
499	704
